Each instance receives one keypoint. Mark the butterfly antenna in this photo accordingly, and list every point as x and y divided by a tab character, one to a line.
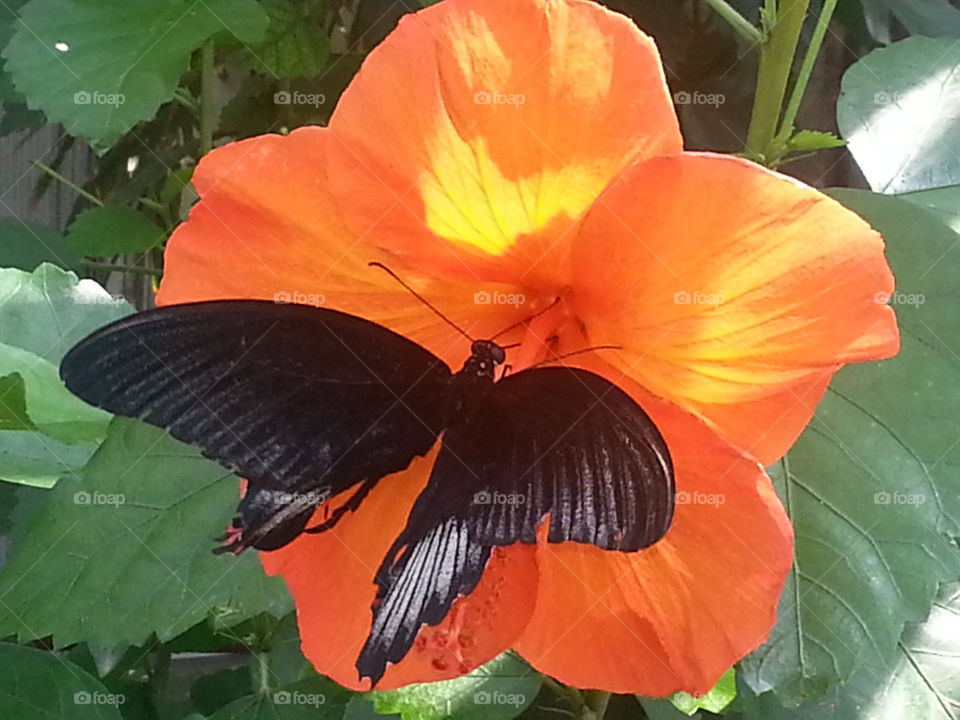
525	320
576	352
421	298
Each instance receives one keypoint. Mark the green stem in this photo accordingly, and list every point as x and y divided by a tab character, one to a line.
806	70
69	183
783	26
595	704
152	204
743	27
260	670
160	674
133	269
208	77
185	98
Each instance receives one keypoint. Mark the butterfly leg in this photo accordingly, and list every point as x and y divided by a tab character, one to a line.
352	503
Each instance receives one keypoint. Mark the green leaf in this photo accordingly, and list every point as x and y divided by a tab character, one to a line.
99	67
944	202
716	700
897	113
42	686
49	310
142	524
297	42
42	314
935	18
807	140
26	245
923	683
663	709
32	458
499	690
13	404
312	699
871	486
53	409
212	691
287	662
112	230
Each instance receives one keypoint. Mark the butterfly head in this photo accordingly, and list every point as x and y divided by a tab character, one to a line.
485	355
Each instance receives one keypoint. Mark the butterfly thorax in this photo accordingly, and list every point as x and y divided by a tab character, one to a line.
476	376
485	355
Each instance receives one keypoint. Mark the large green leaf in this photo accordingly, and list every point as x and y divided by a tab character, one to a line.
923	683
32	458
52	408
499	690
38	685
935	18
297	42
101	66
25	245
312	699
944	202
872	485
49	310
897	112
43	313
112	230
127	552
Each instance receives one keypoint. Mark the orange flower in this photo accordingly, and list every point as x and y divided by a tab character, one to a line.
498	155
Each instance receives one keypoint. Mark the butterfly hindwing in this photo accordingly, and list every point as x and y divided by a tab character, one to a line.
303	402
556	443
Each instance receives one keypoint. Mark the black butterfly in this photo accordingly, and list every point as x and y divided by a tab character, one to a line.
307	403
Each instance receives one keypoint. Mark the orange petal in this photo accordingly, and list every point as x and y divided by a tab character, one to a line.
266	227
480	130
677	615
331	578
734	291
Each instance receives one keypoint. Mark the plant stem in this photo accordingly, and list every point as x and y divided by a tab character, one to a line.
159	674
152	204
121	268
69	183
260	670
743	27
208	76
782	26
595	704
806	70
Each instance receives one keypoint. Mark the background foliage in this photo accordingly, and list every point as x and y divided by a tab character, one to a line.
111	605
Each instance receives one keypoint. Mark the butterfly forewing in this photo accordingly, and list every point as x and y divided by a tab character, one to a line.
303	402
557	443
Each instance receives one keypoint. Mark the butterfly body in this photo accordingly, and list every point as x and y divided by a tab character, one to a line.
315	407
